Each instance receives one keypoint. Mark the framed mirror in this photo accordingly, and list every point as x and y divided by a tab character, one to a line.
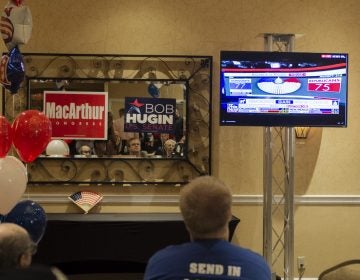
149	152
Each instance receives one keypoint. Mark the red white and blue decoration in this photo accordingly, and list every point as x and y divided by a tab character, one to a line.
16	24
12	70
86	200
15	28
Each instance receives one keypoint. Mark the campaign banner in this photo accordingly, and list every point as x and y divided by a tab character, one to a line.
144	114
77	115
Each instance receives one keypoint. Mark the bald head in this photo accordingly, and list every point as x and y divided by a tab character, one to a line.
8	229
15	246
205	204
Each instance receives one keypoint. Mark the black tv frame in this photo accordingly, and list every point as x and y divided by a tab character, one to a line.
262	60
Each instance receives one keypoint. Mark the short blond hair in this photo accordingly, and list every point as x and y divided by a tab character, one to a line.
205	205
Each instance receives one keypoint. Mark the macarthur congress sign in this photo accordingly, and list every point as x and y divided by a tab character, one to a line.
77	115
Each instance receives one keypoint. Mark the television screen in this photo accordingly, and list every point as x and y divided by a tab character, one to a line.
283	89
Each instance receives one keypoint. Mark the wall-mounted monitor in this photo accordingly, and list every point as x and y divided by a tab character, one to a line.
283	89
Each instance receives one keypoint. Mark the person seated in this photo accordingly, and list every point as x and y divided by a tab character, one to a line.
134	147
16	246
121	136
205	204
163	137
16	251
169	148
150	144
85	150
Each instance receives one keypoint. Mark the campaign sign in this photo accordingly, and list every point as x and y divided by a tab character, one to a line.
77	115
149	114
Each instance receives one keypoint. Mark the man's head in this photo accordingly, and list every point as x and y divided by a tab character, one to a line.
205	204
85	150
134	145
16	246
121	112
169	146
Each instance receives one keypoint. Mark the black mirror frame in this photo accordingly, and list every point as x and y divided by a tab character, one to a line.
196	71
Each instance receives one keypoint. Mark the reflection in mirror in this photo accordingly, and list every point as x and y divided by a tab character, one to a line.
127	154
147	142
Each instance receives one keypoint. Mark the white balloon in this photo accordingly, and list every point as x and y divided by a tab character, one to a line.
13	178
57	148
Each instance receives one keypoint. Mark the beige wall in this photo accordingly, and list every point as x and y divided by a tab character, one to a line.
327	163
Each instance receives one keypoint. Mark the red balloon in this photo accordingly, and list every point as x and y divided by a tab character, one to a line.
5	136
31	134
17	2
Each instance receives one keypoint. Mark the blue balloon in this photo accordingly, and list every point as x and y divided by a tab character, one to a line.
30	216
15	70
153	90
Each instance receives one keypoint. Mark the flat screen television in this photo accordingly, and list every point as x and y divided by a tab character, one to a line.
283	89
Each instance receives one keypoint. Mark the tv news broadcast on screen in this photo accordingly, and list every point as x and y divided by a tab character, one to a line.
283	89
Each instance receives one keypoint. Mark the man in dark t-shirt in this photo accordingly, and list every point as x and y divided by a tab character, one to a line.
205	205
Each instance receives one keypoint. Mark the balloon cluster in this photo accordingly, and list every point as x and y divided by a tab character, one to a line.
30	133
16	27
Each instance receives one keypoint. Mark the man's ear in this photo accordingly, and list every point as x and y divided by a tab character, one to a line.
25	260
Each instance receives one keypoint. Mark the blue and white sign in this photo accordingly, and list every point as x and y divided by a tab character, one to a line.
149	114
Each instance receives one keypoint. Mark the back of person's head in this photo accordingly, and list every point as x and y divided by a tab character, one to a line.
205	205
16	246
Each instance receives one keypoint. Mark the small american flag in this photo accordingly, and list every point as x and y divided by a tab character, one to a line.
86	200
